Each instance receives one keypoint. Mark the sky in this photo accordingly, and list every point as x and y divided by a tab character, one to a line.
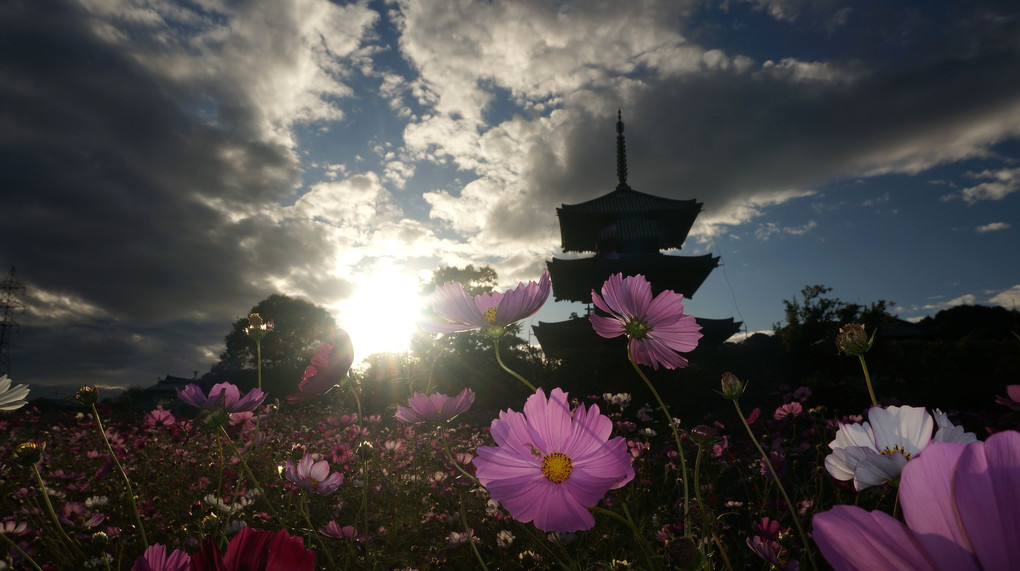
166	164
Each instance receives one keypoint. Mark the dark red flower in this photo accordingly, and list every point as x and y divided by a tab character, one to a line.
329	365
254	550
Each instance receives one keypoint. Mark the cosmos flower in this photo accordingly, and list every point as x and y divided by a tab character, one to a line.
334	530
435	407
223	396
156	558
550	465
313	476
12	398
329	365
257	328
657	327
1012	398
253	550
456	310
961	508
873	453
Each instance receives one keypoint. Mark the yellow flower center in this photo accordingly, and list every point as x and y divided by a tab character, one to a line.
315	483
896	449
490	314
557	466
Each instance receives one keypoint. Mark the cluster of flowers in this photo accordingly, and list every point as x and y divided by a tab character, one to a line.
554	464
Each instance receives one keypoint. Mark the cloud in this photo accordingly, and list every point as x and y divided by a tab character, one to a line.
992	227
1003	183
1010	298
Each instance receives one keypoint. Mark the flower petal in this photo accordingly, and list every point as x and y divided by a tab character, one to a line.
853	539
987	489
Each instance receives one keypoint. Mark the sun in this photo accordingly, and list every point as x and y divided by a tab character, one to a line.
380	316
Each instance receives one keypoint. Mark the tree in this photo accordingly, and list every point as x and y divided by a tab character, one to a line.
298	328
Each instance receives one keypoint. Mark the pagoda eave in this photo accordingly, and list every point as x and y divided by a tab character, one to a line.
573	280
559	337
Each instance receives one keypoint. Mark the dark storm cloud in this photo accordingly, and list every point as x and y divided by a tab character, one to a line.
119	197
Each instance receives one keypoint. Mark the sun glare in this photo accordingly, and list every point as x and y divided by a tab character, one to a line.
380	316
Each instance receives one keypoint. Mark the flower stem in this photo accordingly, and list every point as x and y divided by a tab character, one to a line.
53	513
676	440
867	379
313	531
251	476
127	481
258	361
18	548
629	522
453	461
511	371
782	490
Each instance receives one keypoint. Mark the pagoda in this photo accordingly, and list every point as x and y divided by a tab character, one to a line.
626	231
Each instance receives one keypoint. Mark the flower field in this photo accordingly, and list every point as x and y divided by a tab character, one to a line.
228	479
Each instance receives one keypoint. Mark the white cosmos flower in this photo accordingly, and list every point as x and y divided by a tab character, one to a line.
12	398
875	452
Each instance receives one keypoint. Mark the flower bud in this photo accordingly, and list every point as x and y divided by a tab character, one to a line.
853	340
703	435
732	388
27	453
257	328
87	395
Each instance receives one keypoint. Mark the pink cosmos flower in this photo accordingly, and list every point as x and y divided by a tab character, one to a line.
1012	398
657	327
961	504
550	465
435	407
333	529
156	558
328	367
222	396
456	310
253	550
313	476
790	409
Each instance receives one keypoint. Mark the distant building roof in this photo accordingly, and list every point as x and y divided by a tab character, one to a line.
574	279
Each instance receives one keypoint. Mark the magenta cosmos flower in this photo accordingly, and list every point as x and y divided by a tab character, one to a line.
313	476
156	558
253	550
550	464
961	504
328	367
456	310
435	407
657	327
222	396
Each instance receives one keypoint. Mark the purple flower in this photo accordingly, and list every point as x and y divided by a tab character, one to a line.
657	327
328	367
550	465
456	310
222	396
1012	398
313	476
961	504
333	529
790	409
435	407
156	558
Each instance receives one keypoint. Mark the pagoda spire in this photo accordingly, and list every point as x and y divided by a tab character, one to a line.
621	152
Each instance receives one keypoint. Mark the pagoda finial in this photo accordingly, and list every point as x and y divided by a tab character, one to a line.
621	152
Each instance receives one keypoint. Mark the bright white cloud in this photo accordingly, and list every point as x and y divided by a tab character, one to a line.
1000	184
992	227
1010	298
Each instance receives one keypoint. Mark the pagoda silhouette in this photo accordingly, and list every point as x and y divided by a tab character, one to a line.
627	231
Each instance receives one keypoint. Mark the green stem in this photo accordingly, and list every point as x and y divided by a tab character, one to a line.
313	531
629	522
364	460
18	548
499	360
471	538
676	439
453	461
127	481
251	476
782	490
258	361
867	379
53	513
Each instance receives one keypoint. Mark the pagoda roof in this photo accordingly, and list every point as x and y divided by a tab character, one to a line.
574	279
576	333
645	215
